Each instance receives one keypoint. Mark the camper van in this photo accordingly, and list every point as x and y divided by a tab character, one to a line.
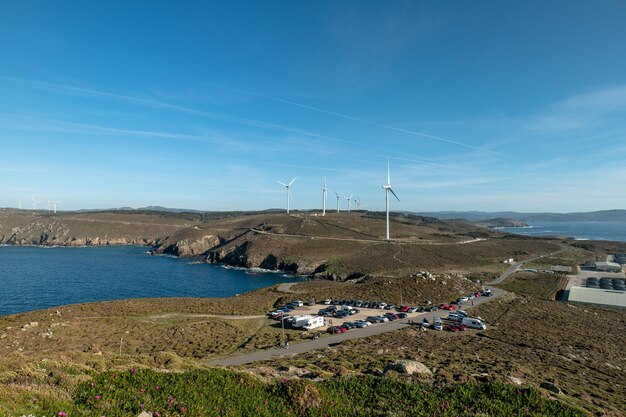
473	323
313	323
301	321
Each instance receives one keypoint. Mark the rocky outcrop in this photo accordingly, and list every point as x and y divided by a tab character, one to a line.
410	367
192	247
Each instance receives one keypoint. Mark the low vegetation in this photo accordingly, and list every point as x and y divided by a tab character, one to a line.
226	393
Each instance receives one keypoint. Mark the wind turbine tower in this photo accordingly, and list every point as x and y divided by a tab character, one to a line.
349	200
337	200
388	189
54	204
324	197
288	187
20	204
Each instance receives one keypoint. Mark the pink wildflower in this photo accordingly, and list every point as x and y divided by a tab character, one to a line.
62	414
98	397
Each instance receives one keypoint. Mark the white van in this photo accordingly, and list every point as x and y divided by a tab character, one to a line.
474	323
314	323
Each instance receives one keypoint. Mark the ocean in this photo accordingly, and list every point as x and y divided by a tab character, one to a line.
578	230
39	277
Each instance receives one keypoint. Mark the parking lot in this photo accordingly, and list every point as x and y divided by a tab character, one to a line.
341	316
580	279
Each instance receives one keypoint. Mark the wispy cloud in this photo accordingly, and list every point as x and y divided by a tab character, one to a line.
367	122
588	110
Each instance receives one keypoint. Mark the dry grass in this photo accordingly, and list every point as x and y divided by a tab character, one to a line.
579	349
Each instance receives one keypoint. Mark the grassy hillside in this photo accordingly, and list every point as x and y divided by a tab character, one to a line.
24	227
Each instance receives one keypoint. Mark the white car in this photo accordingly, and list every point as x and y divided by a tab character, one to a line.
298	303
327	301
384	319
463	299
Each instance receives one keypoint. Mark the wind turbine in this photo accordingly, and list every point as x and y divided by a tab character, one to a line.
49	205
20	203
349	199
324	197
54	204
388	188
35	202
337	200
288	187
358	202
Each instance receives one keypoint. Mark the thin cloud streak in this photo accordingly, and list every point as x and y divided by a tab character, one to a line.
358	119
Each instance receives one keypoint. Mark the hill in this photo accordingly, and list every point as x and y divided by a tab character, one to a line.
348	245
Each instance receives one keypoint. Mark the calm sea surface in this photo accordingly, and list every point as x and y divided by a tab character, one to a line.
579	230
32	277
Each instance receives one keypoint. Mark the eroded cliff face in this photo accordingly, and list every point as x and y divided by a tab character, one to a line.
25	228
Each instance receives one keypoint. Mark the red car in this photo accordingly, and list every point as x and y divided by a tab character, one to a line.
404	309
477	294
456	327
444	306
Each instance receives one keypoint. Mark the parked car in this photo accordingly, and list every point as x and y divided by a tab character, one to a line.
438	325
403	315
425	322
486	293
333	330
455	327
462	300
347	325
382	319
327	301
310	302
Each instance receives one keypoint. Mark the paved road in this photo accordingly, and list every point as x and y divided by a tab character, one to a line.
515	266
329	341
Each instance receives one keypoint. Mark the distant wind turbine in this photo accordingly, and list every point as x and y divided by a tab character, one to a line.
49	205
337	200
288	187
54	204
35	202
388	188
358	202
20	203
324	197
349	199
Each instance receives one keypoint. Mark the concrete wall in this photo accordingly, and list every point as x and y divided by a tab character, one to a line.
597	296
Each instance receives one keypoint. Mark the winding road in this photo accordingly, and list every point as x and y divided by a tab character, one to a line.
373	330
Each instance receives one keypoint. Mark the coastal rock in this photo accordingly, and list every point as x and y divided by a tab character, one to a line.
515	380
187	247
410	367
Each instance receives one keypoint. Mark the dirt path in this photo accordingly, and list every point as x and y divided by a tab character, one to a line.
286	287
372	240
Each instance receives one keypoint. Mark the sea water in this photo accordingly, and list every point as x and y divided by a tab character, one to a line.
40	277
578	230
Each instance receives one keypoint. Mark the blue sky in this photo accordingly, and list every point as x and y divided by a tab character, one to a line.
478	105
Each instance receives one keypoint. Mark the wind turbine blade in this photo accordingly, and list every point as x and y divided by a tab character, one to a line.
336	193
394	194
282	183
294	178
324	182
388	173
290	195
